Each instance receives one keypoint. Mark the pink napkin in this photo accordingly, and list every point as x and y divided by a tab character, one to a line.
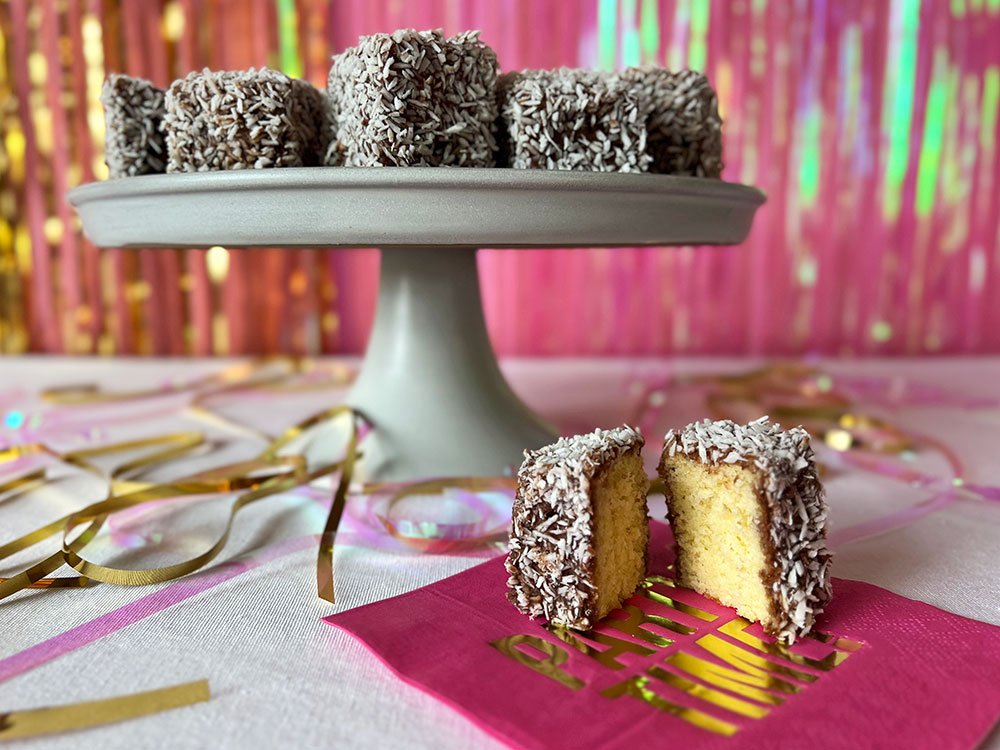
673	666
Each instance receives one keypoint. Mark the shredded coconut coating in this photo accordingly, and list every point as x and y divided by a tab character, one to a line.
794	498
573	120
414	98
551	559
684	127
312	103
133	111
251	119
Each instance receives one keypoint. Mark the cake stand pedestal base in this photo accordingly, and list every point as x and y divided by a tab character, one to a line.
430	384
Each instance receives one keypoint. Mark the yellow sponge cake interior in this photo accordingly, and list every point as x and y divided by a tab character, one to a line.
621	531
718	521
749	520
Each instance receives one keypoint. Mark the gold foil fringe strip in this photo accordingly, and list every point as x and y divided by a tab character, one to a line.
50	720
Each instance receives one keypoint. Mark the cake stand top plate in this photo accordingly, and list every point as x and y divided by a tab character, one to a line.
413	206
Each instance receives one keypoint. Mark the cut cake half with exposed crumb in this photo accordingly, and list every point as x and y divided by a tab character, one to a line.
749	520
580	534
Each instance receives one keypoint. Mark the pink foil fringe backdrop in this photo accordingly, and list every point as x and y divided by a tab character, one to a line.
871	125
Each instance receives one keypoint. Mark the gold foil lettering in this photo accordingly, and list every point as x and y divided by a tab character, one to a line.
747	684
632	625
752	676
748	662
548	666
667	601
635	687
715	697
736	629
752	687
605	657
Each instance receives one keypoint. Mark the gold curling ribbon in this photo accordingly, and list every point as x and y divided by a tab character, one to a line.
324	558
790	391
239	376
267	475
49	720
178	444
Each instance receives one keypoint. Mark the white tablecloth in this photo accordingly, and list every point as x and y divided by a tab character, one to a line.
281	677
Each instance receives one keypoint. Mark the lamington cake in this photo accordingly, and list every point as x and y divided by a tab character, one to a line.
684	130
414	98
246	119
572	119
580	534
133	112
749	519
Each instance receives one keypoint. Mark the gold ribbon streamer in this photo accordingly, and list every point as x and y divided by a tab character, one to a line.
50	720
324	559
269	474
790	391
240	376
178	444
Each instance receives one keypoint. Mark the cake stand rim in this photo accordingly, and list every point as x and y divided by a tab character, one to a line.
461	178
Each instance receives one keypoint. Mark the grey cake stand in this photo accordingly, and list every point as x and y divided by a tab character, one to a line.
429	383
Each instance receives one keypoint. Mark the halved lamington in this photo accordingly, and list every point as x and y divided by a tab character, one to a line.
580	534
414	98
573	120
133	112
246	119
749	519
684	127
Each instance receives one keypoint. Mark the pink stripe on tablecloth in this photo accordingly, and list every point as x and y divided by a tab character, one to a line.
129	614
891	521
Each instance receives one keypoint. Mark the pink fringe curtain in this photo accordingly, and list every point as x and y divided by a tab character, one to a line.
872	126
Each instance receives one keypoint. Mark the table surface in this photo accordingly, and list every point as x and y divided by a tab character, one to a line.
279	676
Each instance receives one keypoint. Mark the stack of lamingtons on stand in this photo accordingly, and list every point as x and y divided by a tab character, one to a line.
417	99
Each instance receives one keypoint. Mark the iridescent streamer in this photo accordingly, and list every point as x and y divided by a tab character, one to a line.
433	534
